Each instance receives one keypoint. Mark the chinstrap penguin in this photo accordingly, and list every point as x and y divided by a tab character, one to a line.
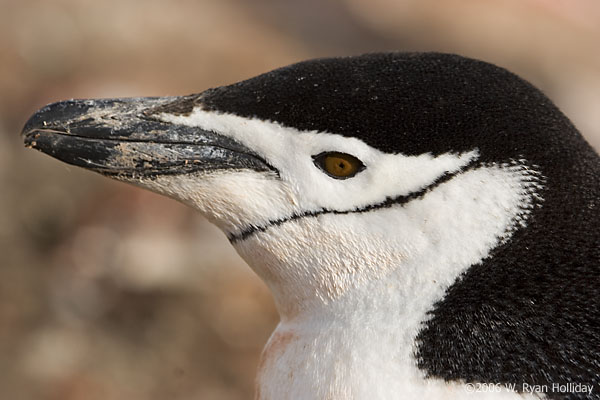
428	224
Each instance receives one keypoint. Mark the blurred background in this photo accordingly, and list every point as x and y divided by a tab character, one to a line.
110	292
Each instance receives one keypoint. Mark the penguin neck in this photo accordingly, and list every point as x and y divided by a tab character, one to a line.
358	346
352	304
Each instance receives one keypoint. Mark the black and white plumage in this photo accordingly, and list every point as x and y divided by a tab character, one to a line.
465	249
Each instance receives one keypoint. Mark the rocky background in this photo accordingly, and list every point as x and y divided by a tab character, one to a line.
110	292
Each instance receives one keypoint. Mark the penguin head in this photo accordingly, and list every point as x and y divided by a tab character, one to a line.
331	174
426	202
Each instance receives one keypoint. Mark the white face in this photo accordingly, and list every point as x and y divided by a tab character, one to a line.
307	187
316	259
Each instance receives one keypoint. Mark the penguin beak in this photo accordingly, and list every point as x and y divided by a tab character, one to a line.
124	137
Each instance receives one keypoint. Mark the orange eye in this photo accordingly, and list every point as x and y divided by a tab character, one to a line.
339	165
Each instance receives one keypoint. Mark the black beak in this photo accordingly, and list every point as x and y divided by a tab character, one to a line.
124	137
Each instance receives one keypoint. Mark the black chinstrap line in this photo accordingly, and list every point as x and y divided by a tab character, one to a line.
389	202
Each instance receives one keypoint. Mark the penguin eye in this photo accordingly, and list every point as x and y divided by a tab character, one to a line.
338	165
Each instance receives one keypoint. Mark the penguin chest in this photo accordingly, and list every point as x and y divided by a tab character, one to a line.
342	363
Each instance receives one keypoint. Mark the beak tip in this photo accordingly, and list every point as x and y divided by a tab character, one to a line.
29	126
57	115
37	120
30	137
